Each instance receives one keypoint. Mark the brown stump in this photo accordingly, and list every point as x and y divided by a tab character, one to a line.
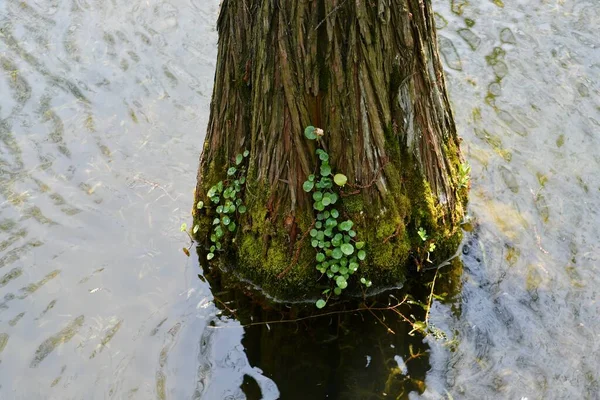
369	74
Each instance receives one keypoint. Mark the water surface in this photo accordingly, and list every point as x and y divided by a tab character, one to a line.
103	109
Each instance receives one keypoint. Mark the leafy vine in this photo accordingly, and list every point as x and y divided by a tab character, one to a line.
339	253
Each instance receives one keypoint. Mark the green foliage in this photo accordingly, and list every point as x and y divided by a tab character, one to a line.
340	179
225	198
464	175
426	250
309	132
422	234
338	252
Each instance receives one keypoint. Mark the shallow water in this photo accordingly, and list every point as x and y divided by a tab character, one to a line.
103	107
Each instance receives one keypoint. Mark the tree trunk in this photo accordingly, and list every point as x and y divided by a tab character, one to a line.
368	73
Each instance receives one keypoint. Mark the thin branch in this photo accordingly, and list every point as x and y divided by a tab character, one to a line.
393	235
375	179
370	309
382	323
430	298
328	15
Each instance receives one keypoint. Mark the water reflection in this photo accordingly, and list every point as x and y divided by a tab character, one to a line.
344	354
102	110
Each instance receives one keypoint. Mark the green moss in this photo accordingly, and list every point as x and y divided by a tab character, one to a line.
388	224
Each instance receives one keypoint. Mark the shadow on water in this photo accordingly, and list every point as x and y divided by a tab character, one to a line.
362	349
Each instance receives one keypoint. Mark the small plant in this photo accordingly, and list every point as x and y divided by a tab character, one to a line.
338	251
425	251
464	175
225	198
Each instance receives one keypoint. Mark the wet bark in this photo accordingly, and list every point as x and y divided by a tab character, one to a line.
368	73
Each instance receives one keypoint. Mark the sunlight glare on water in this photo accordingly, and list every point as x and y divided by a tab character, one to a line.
103	109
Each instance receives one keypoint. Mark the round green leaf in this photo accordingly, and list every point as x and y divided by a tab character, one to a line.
325	170
343	270
246	153
226	220
318	225
326	199
341	282
196	229
324	156
319	206
219	209
320	257
317	196
351	233
353	267
337	291
347	249
231	171
313	232
340	179
242	209
314	243
334	268
337	253
335	213
231	226
309	132
346	225
320	303
362	255
238	159
308	186
200	205
210	256
216	221
359	245
183	227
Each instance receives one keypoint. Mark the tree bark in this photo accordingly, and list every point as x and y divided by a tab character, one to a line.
368	73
